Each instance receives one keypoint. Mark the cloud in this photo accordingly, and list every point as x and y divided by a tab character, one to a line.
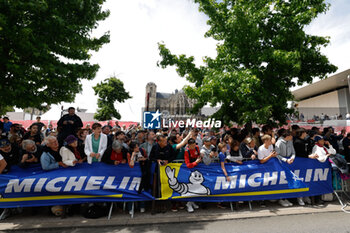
334	23
137	26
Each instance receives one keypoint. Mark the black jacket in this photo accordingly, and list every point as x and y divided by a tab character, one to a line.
36	138
69	129
346	144
245	151
165	153
301	148
12	158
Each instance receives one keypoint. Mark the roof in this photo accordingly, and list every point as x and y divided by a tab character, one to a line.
163	95
332	83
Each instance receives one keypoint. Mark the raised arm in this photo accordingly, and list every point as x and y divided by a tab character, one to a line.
184	141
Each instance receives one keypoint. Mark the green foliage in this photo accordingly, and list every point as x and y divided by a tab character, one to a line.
44	49
109	91
262	52
5	109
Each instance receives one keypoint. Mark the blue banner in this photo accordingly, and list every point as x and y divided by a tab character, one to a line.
97	182
249	181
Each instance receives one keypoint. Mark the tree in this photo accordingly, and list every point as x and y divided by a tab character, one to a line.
44	49
6	109
262	52
109	91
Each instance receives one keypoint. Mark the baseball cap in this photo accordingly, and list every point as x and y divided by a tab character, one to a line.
191	141
206	139
4	142
318	138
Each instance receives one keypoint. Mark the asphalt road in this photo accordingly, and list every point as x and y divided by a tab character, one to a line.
337	222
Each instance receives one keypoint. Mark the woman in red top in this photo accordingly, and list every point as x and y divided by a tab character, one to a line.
115	154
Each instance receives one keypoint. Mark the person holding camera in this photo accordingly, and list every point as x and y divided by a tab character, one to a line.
322	149
266	151
31	153
208	151
10	155
284	147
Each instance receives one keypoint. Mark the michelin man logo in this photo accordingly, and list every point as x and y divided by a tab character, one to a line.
194	187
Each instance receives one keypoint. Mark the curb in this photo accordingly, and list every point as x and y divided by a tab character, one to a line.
117	221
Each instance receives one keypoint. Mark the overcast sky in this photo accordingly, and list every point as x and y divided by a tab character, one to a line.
136	26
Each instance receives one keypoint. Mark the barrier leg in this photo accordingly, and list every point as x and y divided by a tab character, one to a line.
250	205
154	192
343	206
231	206
132	209
110	211
5	213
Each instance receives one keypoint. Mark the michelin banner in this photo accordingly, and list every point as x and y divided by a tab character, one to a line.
249	181
83	183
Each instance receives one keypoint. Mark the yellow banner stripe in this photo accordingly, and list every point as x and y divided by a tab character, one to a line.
43	198
258	193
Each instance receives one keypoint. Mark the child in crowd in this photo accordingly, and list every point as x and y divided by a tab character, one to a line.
222	156
266	151
234	155
192	159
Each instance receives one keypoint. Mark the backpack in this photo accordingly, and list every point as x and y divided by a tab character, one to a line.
189	154
340	163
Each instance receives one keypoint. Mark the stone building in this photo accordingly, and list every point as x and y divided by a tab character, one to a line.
176	103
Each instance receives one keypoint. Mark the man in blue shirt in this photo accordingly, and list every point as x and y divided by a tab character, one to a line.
7	124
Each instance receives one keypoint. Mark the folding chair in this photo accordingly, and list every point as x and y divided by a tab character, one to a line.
342	193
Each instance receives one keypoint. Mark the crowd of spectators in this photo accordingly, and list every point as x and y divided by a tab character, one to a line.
71	144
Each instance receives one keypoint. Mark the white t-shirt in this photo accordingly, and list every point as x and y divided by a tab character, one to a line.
263	152
1	158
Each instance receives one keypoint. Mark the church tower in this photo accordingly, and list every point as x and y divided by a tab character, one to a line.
151	97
